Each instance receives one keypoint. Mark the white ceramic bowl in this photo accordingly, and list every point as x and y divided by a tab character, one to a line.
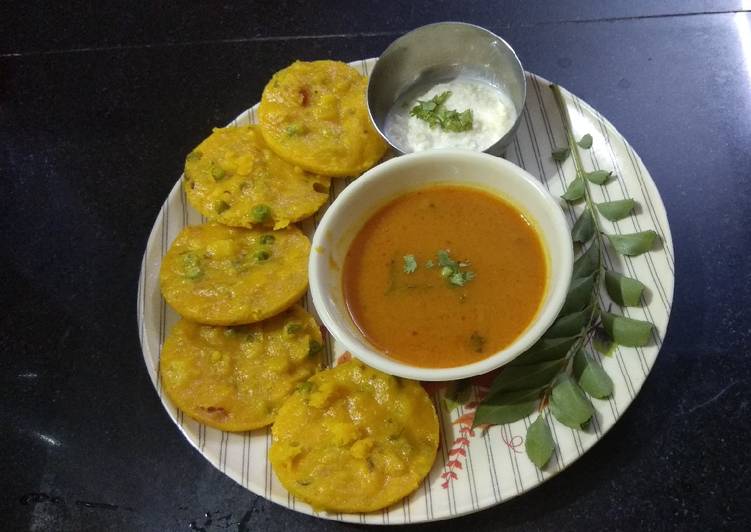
360	200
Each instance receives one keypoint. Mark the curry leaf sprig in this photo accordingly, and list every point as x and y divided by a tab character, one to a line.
558	375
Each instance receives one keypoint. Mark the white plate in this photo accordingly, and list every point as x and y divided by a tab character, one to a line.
473	470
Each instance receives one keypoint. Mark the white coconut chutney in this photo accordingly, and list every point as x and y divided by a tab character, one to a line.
493	114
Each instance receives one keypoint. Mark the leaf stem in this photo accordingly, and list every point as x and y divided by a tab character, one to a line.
589	204
574	147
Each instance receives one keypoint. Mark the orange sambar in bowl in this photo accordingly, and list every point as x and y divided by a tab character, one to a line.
444	276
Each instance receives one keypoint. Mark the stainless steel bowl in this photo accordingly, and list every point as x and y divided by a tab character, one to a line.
438	53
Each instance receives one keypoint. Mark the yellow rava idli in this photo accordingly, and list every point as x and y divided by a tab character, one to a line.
236	378
314	115
234	178
222	275
353	439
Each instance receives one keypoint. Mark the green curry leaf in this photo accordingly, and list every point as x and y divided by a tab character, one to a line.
575	190
498	414
616	210
584	228
569	404
598	177
515	396
623	290
539	442
569	325
515	378
591	376
626	331
588	262
634	243
579	294
544	350
602	343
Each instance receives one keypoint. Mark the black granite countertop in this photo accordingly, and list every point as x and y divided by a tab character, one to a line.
98	107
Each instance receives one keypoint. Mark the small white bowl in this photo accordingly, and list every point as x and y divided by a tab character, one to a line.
360	200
